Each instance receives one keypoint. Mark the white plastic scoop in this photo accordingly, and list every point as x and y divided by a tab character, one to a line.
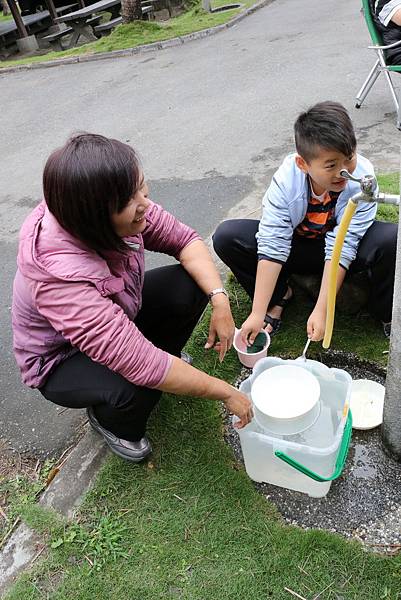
303	355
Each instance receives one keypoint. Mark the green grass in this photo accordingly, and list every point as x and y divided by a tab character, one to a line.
144	32
19	488
388	183
189	524
5	17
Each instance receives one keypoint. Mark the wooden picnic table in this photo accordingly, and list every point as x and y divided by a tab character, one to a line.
78	19
38	21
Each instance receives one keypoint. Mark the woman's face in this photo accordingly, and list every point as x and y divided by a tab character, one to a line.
132	219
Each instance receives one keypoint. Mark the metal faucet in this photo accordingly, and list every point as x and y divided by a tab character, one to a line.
370	190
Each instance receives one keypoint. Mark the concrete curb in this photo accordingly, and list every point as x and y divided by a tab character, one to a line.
177	41
64	494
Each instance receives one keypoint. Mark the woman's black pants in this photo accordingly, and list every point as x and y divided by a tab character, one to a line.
235	243
172	304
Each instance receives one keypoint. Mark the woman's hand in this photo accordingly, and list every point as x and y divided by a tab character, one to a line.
183	379
250	328
316	324
239	404
221	329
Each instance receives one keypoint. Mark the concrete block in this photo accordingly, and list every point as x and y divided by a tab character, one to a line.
16	555
27	44
162	15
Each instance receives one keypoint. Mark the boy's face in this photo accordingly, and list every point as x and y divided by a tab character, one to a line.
324	170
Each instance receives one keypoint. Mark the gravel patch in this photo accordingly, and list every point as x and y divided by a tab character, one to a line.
365	502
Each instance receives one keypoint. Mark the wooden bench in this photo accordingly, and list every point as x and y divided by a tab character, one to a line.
106	28
54	39
94	21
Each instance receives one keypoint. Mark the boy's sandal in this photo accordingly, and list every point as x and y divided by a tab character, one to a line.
275	324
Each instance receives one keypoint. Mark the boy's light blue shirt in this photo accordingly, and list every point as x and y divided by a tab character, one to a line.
284	208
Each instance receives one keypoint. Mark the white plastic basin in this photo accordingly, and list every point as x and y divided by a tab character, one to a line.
286	399
367	403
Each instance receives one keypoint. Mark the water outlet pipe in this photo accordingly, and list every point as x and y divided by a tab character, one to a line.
369	193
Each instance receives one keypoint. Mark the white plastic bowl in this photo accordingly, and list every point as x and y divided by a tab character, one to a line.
286	399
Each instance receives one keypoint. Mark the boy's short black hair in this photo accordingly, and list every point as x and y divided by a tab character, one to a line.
325	125
86	181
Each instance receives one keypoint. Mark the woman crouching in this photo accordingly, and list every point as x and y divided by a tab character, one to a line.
92	329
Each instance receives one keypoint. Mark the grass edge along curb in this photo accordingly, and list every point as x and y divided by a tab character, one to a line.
151	47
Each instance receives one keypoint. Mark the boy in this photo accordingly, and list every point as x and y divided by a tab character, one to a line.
302	210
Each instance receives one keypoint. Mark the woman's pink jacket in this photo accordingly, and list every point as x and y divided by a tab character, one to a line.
68	298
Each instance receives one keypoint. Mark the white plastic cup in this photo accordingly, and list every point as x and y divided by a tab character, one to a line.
246	358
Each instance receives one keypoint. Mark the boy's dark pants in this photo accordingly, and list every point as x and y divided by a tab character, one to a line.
172	304
235	243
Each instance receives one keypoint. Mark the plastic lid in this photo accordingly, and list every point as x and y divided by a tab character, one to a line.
366	404
285	392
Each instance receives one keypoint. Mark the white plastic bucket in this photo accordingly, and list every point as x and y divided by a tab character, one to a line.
247	359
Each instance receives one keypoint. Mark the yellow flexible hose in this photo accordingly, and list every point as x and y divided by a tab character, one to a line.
335	261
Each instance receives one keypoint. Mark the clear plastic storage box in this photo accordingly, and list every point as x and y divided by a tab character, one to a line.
306	462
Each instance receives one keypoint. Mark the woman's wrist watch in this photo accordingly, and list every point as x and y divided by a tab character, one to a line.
217	291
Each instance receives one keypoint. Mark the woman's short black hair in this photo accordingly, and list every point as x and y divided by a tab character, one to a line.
86	181
325	125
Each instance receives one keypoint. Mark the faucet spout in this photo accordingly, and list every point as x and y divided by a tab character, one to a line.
368	183
344	173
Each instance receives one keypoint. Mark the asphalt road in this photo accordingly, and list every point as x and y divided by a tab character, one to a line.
211	119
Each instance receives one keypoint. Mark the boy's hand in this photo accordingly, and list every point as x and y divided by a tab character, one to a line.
250	328
316	324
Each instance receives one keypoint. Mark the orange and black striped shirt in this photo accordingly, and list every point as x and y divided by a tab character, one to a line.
319	218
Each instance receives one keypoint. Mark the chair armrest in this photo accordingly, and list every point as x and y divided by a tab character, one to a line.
393	45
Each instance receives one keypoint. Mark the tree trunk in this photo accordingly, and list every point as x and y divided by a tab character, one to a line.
131	10
5	7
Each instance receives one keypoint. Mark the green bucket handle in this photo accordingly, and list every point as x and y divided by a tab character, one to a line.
341	456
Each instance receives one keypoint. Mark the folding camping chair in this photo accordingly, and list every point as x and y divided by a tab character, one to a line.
380	65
